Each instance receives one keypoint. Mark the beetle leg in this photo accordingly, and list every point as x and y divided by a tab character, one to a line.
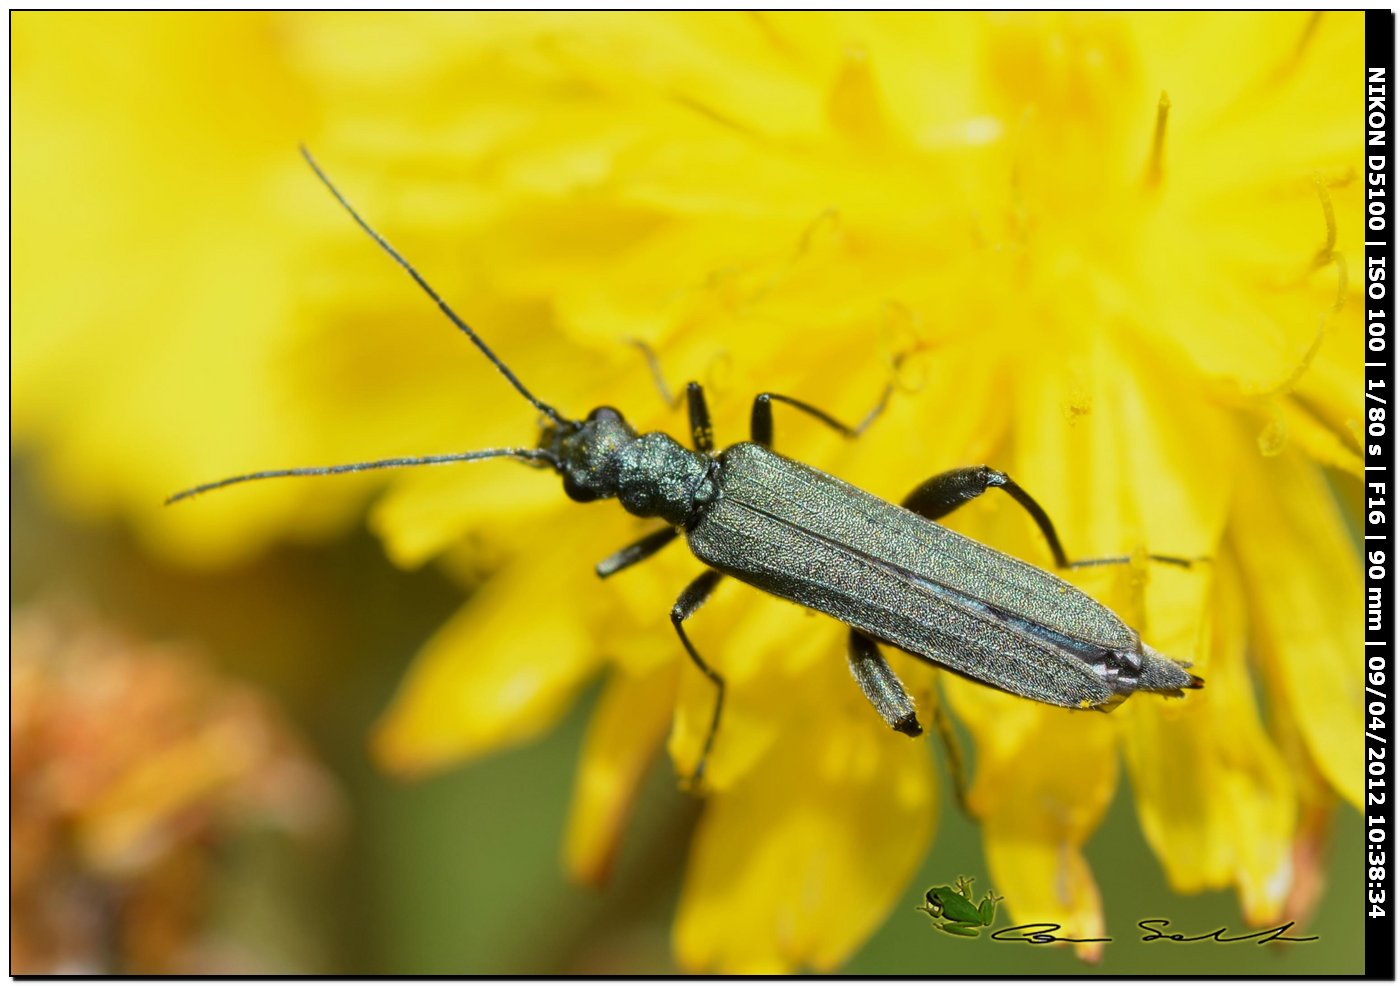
957	767
690	600
881	686
885	691
937	497
700	429
635	552
761	420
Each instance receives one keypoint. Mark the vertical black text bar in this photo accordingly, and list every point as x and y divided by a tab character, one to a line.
1380	859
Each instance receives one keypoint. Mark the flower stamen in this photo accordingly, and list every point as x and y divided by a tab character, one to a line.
1329	217
854	106
1159	141
1305	37
713	115
1326	254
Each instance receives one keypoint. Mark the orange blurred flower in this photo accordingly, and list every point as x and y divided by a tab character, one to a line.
131	766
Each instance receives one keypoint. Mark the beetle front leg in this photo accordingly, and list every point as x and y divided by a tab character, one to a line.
701	431
937	497
637	551
761	420
692	599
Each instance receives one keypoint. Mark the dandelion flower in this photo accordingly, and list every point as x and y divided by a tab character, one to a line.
1105	248
1121	280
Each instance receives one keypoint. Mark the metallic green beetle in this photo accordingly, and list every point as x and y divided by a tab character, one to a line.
888	572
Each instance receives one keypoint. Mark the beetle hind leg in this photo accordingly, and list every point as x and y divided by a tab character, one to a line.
952	749
889	697
937	497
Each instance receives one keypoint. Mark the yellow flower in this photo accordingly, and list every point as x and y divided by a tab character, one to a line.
1106	246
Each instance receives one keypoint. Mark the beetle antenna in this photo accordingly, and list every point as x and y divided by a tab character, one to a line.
452	316
524	454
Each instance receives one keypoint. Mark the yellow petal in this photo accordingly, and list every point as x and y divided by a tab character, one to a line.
1129	469
498	673
773	884
624	736
1259	796
1037	810
1214	797
1310	847
775	658
162	371
1303	574
1045	880
419	518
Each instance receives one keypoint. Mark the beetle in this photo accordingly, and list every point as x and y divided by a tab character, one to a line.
890	573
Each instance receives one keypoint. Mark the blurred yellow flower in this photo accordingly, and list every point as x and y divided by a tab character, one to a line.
1106	243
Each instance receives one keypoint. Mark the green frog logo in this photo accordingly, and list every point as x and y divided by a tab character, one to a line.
952	911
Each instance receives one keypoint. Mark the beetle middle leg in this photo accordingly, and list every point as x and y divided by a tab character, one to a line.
690	600
937	497
701	431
